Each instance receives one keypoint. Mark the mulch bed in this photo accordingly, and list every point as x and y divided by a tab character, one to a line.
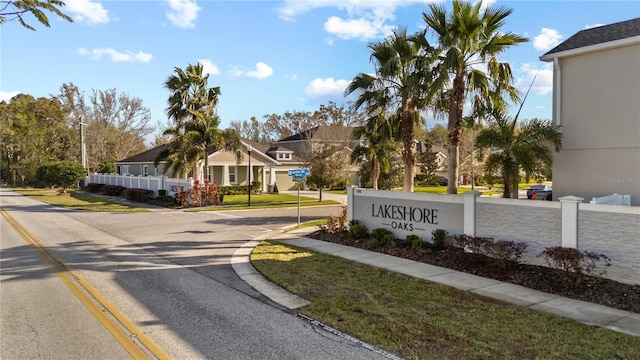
593	289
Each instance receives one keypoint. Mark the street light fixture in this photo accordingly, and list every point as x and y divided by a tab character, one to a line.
249	175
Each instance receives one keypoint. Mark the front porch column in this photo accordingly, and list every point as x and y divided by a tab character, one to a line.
225	175
272	175
263	180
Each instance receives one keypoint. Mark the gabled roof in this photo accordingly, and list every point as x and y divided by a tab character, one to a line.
145	156
324	132
596	36
150	155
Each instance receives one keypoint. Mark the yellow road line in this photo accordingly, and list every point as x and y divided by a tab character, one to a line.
46	255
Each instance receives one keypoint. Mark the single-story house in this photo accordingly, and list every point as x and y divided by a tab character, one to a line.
596	102
269	165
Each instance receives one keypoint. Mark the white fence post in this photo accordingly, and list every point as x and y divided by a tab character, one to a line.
470	212
569	213
350	205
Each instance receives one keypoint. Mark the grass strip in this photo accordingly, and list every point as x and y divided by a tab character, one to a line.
76	200
418	319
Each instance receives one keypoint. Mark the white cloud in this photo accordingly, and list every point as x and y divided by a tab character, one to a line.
543	74
350	29
86	11
592	26
364	20
182	13
116	56
208	67
547	39
328	88
291	78
261	72
8	95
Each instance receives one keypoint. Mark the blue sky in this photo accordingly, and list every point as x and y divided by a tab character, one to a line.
267	56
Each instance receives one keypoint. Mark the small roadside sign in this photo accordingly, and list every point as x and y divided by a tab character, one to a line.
298	179
299	172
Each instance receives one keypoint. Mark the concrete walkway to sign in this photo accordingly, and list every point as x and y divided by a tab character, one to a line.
585	312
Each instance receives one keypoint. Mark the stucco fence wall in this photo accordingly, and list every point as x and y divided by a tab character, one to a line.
610	230
614	231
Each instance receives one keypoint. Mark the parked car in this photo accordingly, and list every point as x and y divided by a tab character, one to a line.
443	181
537	188
542	195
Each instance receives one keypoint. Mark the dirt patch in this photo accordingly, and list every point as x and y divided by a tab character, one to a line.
593	289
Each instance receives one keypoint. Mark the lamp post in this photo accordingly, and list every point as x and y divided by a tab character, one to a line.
249	175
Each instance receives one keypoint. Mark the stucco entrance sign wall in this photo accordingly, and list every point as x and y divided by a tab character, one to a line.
407	213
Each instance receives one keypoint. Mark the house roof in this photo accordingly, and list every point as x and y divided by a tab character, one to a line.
150	155
597	35
324	132
145	156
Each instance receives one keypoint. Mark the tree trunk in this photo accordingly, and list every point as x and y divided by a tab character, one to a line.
455	128
454	157
320	197
408	156
375	173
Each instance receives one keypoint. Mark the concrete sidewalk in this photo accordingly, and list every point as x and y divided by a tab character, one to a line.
585	312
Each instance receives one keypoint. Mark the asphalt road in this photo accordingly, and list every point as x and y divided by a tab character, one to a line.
166	272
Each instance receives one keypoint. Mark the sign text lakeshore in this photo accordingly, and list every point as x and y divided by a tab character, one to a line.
406	216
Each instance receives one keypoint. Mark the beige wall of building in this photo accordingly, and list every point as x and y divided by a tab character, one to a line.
600	118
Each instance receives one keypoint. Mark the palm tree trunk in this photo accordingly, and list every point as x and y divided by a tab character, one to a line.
375	173
408	156
455	128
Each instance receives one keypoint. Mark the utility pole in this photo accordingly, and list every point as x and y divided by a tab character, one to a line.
83	147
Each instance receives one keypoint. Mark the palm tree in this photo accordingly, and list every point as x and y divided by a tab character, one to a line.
379	143
399	87
513	149
192	107
468	37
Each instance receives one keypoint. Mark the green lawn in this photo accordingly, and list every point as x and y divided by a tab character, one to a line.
76	200
418	319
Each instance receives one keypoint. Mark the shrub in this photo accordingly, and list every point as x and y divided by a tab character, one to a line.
201	194
94	187
162	193
384	237
60	173
439	236
573	260
113	190
415	242
358	231
139	195
337	223
507	250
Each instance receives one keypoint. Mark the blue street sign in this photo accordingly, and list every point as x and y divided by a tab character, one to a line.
298	179
299	172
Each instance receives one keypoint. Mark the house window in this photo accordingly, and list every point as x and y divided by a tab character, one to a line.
118	170
155	171
232	174
145	170
125	170
284	156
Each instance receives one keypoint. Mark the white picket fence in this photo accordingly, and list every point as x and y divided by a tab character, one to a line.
153	183
614	199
